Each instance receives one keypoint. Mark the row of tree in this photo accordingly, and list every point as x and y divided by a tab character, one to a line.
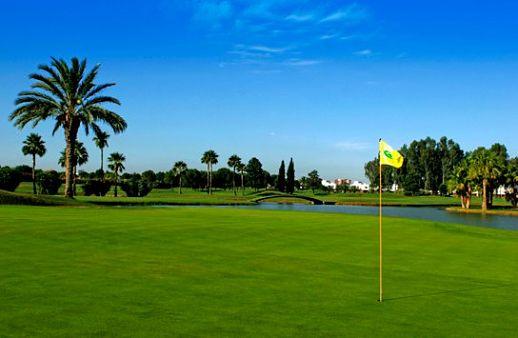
252	173
237	176
442	167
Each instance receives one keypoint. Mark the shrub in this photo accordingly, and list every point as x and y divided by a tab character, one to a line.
149	175
9	179
96	187
25	172
49	182
443	189
136	187
512	196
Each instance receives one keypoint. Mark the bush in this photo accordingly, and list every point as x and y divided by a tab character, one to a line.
96	187
443	189
25	172
512	196
411	184
149	175
9	179
136	187
49	182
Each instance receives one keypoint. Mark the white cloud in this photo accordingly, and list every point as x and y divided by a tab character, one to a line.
328	36
363	52
301	63
268	49
352	13
300	17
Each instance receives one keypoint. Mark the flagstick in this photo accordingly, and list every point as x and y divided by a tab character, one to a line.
381	240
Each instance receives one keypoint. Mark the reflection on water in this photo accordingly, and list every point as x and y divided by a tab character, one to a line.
428	213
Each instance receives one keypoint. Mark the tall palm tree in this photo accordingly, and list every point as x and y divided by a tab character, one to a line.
101	141
34	145
81	155
69	95
233	161
116	164
240	167
210	158
484	167
179	168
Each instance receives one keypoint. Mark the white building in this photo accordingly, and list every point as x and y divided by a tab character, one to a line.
361	186
329	184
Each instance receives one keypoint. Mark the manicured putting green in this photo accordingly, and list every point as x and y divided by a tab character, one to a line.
201	271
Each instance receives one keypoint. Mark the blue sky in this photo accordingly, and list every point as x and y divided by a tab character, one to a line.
313	80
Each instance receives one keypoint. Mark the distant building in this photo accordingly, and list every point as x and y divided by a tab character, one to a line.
359	185
329	184
340	181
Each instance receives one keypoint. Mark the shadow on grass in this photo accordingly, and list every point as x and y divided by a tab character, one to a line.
436	293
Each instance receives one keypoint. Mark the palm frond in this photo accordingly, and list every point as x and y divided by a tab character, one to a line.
114	120
87	82
97	89
48	85
55	77
102	99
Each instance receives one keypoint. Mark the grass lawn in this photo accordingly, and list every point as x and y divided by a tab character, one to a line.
227	197
201	271
160	196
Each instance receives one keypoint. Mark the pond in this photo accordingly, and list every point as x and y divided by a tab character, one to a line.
427	213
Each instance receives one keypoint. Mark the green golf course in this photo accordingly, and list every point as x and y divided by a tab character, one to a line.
208	271
227	197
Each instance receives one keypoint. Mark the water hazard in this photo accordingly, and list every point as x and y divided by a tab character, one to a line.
427	213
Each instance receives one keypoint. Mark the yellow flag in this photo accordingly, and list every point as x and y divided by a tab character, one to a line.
389	156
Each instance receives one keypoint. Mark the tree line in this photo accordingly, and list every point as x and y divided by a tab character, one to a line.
442	167
237	176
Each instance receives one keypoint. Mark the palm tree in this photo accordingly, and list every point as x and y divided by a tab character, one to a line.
210	158
484	167
81	155
69	95
233	161
34	145
240	167
179	168
116	164
460	183
101	141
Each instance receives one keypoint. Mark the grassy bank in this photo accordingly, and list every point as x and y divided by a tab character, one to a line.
498	211
232	272
227	197
398	199
7	197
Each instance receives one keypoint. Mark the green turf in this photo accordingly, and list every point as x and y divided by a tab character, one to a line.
18	198
227	197
200	271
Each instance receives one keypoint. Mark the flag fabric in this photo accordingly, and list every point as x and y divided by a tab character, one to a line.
389	156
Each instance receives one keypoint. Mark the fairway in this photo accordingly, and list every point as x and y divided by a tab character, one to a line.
94	271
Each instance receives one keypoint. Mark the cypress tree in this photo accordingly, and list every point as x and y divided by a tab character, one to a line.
290	178
281	179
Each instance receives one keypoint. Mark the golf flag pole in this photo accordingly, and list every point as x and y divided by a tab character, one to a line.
380	235
387	156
